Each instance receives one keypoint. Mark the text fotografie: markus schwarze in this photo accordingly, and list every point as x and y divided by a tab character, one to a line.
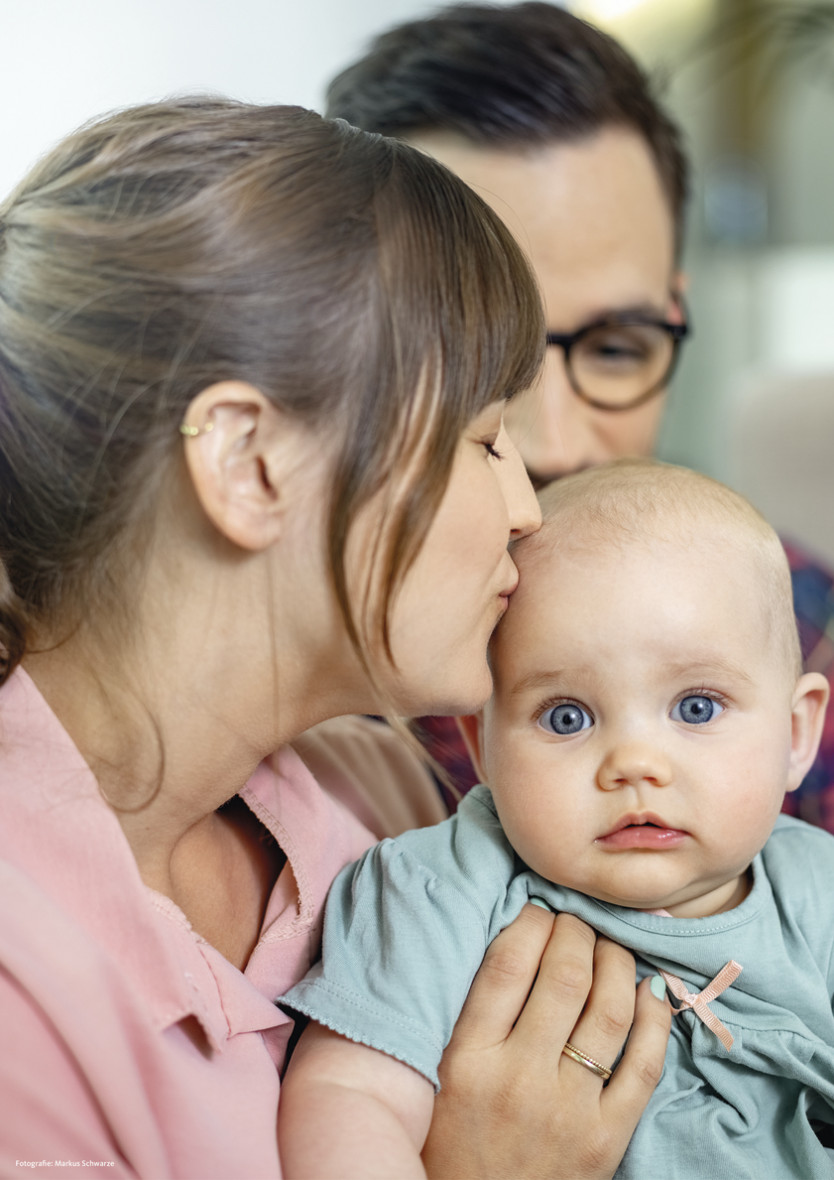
64	1163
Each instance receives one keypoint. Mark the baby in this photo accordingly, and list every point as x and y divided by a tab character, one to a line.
649	714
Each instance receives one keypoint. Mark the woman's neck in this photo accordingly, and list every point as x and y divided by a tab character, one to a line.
167	773
221	657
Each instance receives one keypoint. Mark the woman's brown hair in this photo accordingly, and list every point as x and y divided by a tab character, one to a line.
351	279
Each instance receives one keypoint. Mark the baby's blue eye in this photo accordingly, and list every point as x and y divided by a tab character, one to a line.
696	710
566	719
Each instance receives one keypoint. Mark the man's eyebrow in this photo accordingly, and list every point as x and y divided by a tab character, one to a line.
642	310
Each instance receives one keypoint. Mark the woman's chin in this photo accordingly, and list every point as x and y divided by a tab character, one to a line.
460	700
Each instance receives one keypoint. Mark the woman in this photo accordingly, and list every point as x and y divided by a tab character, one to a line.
254	475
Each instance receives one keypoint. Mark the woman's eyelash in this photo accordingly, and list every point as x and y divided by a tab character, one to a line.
492	452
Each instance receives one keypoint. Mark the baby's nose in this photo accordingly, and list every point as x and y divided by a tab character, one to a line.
631	762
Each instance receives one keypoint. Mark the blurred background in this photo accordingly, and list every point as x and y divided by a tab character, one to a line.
750	81
752	84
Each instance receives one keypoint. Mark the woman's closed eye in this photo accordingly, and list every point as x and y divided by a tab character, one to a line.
566	719
696	709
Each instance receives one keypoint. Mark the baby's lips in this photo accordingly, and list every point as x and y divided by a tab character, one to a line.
636	819
650	833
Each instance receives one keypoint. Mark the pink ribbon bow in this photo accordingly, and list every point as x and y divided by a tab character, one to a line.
728	974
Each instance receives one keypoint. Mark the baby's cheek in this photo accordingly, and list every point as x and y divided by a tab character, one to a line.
531	829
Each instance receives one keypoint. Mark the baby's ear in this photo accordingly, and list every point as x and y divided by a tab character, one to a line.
807	718
472	729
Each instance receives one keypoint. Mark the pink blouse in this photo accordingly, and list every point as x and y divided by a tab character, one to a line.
128	1044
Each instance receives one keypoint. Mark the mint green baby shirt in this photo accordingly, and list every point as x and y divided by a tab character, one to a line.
407	926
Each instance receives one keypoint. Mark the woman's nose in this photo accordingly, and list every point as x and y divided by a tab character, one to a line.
631	762
525	514
551	425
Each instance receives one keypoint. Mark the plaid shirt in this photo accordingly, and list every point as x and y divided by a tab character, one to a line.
813	596
813	600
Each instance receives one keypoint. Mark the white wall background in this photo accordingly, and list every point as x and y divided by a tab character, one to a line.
65	61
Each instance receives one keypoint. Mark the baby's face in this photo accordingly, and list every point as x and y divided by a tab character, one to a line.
639	741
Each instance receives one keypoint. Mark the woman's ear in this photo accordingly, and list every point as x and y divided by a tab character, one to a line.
810	699
236	453
471	727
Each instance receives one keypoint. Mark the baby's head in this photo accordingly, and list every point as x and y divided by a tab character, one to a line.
649	710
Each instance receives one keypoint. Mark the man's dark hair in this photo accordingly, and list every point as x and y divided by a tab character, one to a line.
510	76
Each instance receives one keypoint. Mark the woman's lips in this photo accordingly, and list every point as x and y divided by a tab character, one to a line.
649	832
504	595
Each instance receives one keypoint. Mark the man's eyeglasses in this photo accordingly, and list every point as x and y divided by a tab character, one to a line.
622	361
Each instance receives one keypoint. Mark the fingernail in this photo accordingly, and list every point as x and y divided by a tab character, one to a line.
658	987
541	904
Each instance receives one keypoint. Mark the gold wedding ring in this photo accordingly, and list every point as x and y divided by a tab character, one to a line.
594	1066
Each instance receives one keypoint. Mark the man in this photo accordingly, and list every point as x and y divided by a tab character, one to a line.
554	125
557	128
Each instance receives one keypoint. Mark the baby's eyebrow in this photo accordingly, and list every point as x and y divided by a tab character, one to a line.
698	669
537	680
707	668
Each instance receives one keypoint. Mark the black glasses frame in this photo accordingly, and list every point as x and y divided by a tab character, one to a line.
678	332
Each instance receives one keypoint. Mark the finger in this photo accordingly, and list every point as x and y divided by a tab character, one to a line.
602	1028
639	1071
504	979
561	989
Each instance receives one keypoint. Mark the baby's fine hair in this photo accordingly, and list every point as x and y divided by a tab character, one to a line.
644	501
